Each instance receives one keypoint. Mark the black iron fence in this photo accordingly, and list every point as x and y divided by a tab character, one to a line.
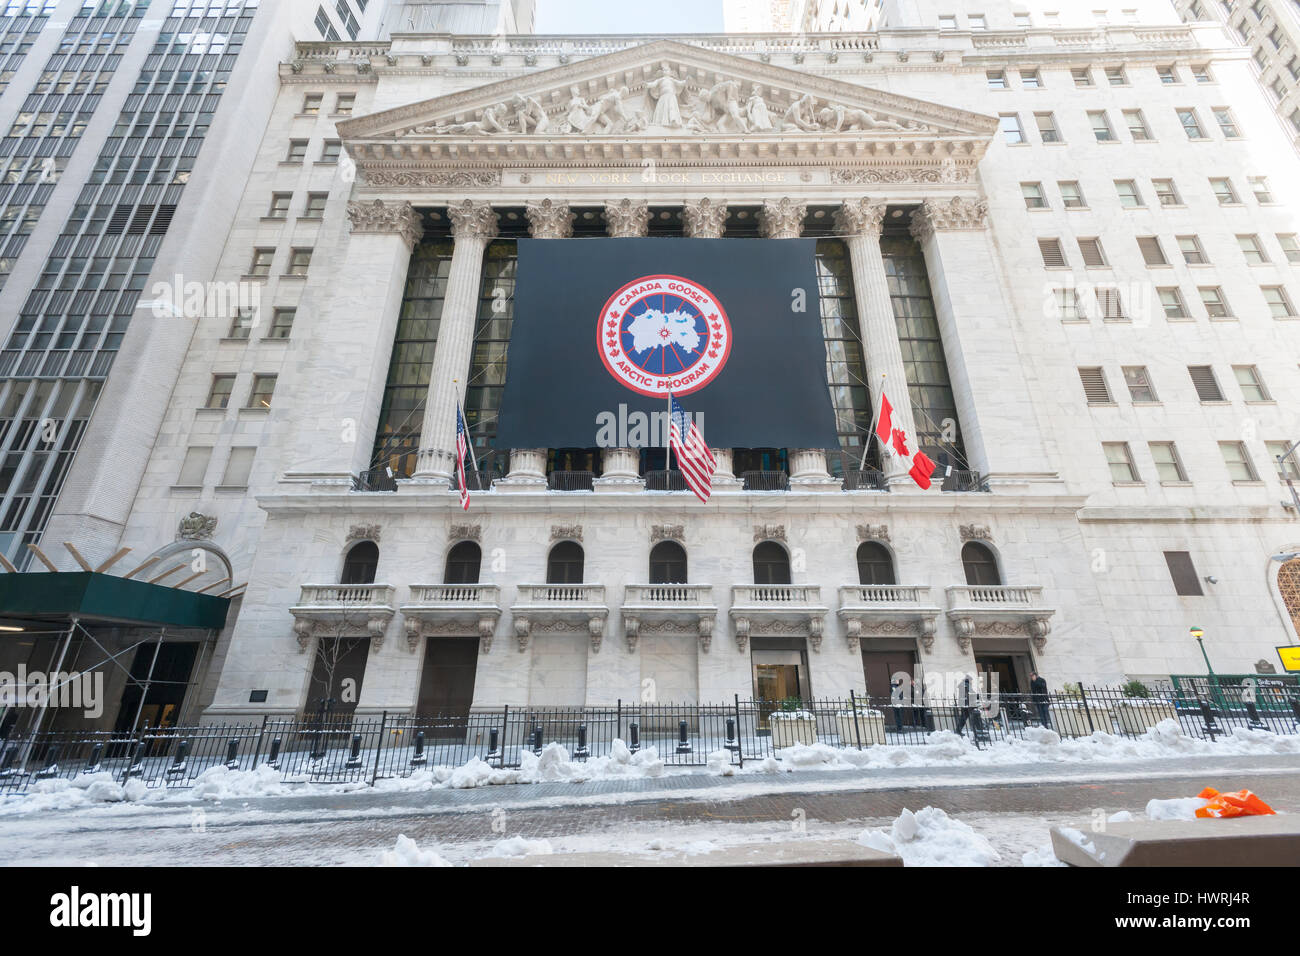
342	749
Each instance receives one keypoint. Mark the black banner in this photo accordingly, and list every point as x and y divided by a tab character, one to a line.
604	327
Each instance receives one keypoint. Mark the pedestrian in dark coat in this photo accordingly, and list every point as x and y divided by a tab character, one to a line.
1038	688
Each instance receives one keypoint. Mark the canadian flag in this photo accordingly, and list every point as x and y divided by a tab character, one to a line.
894	442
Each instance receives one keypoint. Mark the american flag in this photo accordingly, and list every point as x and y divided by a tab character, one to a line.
462	446
693	456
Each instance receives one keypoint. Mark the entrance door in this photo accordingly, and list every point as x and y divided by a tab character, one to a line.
879	668
167	685
1007	668
447	683
778	676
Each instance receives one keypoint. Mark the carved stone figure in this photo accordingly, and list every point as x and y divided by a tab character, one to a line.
802	114
197	527
756	110
608	114
496	119
577	114
724	99
529	114
838	118
664	92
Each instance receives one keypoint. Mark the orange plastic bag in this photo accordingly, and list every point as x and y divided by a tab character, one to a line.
1243	803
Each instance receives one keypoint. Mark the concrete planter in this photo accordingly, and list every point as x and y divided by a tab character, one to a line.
1139	715
870	728
1071	720
788	731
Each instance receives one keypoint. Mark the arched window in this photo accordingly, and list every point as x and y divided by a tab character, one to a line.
360	564
564	565
981	566
463	564
771	564
667	563
875	564
1288	583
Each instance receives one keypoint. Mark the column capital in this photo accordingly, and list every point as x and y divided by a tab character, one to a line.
782	218
957	213
380	217
548	219
860	217
705	219
627	218
472	219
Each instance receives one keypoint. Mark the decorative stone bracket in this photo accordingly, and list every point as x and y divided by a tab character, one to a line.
485	627
857	629
967	628
524	628
703	626
305	629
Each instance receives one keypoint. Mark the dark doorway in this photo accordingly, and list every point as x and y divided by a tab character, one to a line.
447	684
336	678
981	567
564	565
1008	669
771	564
875	564
463	563
166	691
667	563
361	563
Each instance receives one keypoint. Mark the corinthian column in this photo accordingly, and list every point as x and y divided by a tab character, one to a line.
781	218
860	221
627	218
473	226
705	219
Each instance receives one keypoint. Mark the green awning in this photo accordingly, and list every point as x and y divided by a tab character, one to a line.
104	597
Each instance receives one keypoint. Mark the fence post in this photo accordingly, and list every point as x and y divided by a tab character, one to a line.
505	730
379	747
740	735
618	720
853	706
1083	696
257	746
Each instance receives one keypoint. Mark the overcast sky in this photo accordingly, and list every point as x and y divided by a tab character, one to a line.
629	16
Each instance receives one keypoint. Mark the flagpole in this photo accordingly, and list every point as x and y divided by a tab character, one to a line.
875	416
668	445
469	441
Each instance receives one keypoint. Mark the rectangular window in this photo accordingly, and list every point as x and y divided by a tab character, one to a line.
1290	247
976	21
1253	250
330	151
1115	76
1206	385
261	263
1286	468
1279	303
279	205
1072	195
281	323
219	393
1140	390
1067	304
1152	254
263	388
1183	573
1095	389
242	324
1033	193
1227	125
1201	73
1110	304
1129	197
297	151
1193	253
1216	304
1259	186
1053	256
1169	467
1120	461
195	466
299	262
1171	299
344	104
315	205
1094	257
1101	126
1238	461
311	103
1168	75
1223	191
1012	132
1031	80
238	467
1252	386
1082	76
947	21
1167	192
1137	126
1191	124
997	79
1047	130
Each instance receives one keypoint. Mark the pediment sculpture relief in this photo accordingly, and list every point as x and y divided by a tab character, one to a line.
668	103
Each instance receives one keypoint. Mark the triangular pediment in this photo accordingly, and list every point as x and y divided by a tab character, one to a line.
665	92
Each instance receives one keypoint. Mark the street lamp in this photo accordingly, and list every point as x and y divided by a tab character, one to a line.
1199	634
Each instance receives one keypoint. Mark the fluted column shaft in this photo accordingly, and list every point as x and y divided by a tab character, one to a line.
860	220
473	226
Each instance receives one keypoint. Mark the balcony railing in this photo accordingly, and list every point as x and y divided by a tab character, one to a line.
562	594
669	595
570	480
869	480
433	595
765	480
993	595
346	595
867	595
376	479
777	595
962	480
665	481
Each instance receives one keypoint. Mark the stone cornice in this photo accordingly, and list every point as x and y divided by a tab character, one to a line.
956	214
378	216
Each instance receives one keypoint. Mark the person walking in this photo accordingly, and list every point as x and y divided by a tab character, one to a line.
1038	688
1248	698
897	694
966	704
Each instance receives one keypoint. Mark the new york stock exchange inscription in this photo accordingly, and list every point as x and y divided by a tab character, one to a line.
660	176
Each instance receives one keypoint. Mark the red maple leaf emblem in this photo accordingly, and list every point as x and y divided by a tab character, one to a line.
713	354
900	442
613	354
713	317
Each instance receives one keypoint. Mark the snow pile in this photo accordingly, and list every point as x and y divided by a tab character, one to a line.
930	837
407	853
221	783
719	763
83	790
518	846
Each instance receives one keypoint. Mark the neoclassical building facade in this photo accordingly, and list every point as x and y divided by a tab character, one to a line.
1100	492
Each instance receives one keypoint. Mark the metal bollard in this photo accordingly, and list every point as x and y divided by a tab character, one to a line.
1295	709
731	743
418	758
51	768
494	745
1207	714
537	739
177	769
274	761
683	745
582	753
7	762
232	754
354	756
136	767
96	755
633	737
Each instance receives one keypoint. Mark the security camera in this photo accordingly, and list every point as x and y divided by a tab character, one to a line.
1211	579
1285	556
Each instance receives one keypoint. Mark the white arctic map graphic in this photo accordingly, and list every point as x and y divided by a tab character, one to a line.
653	329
